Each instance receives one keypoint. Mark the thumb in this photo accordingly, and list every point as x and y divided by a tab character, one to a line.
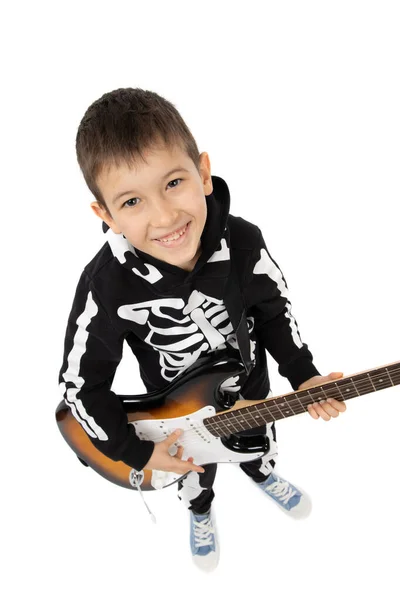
335	375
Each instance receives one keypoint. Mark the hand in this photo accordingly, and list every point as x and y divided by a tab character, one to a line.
327	408
161	460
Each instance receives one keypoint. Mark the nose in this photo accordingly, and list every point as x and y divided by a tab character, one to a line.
163	214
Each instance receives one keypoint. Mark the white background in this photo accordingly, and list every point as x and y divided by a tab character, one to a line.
297	104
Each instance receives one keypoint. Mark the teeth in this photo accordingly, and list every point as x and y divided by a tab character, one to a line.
174	237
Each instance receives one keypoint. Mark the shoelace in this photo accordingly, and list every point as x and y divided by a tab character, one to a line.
279	489
202	532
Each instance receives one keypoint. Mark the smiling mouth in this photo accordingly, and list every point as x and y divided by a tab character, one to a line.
175	235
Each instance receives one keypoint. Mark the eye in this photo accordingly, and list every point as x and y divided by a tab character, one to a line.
130	205
136	199
175	180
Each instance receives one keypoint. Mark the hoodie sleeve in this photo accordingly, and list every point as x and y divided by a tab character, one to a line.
92	352
274	322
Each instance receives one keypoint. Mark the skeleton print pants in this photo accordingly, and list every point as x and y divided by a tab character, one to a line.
196	491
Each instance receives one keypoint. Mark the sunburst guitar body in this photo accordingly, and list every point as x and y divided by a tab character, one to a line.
185	404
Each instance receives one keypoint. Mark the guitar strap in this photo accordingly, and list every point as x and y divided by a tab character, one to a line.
235	306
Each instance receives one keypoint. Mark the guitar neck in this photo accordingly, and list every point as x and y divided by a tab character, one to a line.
295	403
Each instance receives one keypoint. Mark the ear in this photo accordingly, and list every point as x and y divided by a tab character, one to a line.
205	169
102	214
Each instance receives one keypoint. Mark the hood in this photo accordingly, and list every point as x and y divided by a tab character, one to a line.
212	265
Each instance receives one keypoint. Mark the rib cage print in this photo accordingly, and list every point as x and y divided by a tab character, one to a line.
182	332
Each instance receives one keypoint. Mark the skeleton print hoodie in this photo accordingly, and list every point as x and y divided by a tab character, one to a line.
170	317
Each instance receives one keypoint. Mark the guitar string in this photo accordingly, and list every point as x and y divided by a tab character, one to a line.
233	420
274	411
272	408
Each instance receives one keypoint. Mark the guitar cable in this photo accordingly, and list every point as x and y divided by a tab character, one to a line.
134	477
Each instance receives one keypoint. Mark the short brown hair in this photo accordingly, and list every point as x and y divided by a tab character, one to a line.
121	125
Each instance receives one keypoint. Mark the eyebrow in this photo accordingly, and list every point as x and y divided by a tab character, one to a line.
174	170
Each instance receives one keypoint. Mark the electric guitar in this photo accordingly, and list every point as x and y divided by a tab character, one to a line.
210	418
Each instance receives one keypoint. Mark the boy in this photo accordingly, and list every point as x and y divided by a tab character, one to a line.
160	282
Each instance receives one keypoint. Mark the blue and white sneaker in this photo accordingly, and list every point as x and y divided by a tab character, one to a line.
203	540
292	500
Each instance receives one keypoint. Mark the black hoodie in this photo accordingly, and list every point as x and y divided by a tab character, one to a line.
170	317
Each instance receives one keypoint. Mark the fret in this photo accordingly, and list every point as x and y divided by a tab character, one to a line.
210	426
371	382
331	390
311	398
350	390
298	411
390	376
277	406
301	405
266	408
338	388
364	386
228	418
319	398
304	395
394	373
282	403
355	387
249	418
261	417
289	405
240	420
381	379
219	424
249	412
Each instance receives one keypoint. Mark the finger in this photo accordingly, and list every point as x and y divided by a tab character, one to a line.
333	407
172	438
179	455
186	465
338	404
175	434
312	412
326	410
320	411
191	466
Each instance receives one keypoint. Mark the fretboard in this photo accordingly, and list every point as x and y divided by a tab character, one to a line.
295	403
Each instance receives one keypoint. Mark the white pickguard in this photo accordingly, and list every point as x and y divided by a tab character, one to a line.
196	440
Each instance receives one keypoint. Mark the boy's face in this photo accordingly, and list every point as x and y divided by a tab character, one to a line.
152	213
